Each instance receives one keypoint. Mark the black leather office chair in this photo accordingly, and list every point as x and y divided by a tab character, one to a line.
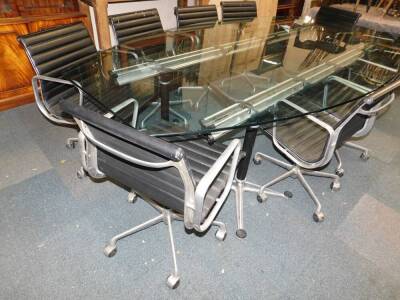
192	18
135	25
310	142
366	76
196	16
54	51
129	28
239	11
51	52
342	20
187	180
334	29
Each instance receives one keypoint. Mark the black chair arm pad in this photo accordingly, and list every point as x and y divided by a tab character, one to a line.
129	134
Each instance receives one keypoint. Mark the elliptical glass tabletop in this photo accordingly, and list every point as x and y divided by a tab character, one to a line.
209	81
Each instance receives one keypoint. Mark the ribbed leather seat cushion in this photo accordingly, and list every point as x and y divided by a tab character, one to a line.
311	99
303	138
238	10
163	186
196	16
134	25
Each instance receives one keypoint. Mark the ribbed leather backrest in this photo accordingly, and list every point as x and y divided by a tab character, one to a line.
134	25
196	16
238	10
341	20
53	50
164	186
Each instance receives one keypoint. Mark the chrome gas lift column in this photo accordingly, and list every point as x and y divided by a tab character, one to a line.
241	185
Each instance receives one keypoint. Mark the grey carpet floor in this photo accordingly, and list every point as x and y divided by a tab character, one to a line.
53	227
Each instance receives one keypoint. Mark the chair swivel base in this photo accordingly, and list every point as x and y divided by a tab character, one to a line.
364	156
242	186
298	172
167	217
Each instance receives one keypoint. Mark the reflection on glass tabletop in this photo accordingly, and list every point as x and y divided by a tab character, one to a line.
207	81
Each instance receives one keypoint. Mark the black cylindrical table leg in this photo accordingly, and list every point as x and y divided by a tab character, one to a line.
165	82
248	145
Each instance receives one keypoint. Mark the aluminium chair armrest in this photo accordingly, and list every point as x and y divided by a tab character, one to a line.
233	150
129	134
387	88
129	51
195	40
116	49
40	104
381	106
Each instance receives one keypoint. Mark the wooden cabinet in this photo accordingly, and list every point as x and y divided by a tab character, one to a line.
288	10
23	17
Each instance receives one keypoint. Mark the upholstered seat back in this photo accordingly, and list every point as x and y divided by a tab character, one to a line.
53	50
334	21
238	10
130	26
56	51
338	19
196	16
305	139
164	186
120	146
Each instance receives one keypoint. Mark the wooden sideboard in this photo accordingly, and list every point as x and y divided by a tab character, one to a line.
23	17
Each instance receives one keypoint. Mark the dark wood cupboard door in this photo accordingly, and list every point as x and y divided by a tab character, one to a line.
16	72
18	17
182	3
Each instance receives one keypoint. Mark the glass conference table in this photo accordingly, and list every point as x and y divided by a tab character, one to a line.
209	82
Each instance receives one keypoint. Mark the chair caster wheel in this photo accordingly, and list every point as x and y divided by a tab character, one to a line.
80	173
288	194
318	217
220	234
335	186
339	172
132	197
364	156
70	145
241	233
110	250
262	198
256	161
173	281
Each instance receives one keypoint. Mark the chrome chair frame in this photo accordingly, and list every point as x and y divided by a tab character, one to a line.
368	126
194	194
302	167
41	104
369	123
